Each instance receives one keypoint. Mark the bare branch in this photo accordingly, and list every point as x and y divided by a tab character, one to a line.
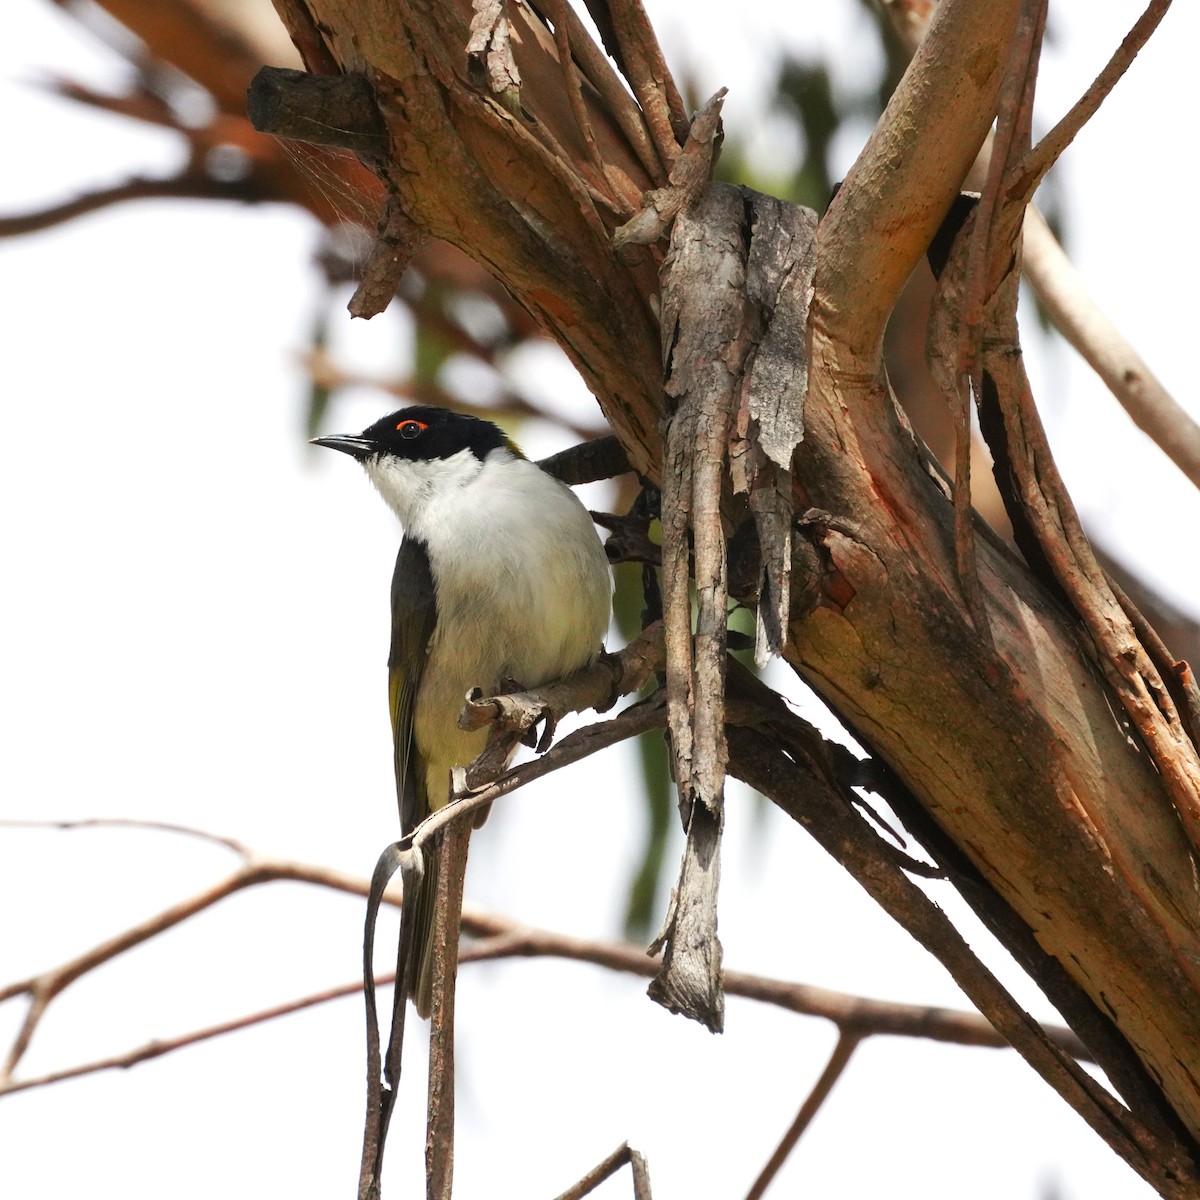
757	755
620	104
1080	320
1061	290
160	1046
1012	125
218	839
190	184
397	239
562	40
646	69
500	937
43	988
610	1166
439	1140
913	164
847	1043
1029	172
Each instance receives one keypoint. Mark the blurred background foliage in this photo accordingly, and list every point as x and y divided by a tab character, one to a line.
188	66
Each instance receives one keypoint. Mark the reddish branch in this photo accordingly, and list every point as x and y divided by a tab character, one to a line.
610	1166
496	937
839	1060
1056	281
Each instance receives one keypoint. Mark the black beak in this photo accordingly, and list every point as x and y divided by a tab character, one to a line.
357	447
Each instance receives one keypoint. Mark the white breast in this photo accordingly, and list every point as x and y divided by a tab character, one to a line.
523	586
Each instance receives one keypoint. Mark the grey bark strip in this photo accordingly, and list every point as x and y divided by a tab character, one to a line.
770	423
489	51
736	287
704	350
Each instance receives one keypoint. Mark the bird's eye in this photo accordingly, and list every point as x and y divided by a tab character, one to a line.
411	429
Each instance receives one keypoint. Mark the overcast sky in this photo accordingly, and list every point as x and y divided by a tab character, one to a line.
194	629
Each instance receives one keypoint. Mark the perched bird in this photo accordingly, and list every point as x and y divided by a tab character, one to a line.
501	576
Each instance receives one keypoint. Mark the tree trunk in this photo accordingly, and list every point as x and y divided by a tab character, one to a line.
1013	743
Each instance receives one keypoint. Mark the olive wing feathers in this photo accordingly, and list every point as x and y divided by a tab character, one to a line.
414	616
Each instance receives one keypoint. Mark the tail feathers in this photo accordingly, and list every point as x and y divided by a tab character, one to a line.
419	959
419	973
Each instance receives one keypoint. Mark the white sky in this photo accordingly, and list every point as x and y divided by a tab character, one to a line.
194	631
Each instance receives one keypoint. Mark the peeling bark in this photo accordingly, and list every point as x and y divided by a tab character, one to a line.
1012	749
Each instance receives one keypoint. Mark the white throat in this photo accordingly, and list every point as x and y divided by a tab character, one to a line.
412	487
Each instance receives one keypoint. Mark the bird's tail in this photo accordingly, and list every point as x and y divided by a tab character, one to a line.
447	859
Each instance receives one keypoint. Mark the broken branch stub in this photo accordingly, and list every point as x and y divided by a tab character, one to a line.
323	110
397	239
690	173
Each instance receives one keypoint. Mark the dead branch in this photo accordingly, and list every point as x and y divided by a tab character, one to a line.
497	937
324	110
765	756
1057	283
1109	353
610	1166
839	1060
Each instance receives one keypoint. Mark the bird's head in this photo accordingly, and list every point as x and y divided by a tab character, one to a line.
417	453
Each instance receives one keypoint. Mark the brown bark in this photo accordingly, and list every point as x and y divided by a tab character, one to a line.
1010	744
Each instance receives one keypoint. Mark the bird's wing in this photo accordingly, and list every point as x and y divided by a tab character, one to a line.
414	615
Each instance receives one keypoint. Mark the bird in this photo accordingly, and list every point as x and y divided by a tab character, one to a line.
501	579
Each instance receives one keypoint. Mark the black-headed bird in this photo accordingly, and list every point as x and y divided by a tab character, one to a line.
501	579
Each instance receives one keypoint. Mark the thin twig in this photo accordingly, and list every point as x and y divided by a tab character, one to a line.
205	835
43	988
1015	107
1041	158
847	1043
1109	353
562	41
763	757
610	1166
646	70
600	74
501	937
1073	311
160	1046
189	185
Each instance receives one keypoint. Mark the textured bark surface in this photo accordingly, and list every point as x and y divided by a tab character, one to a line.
1015	749
468	171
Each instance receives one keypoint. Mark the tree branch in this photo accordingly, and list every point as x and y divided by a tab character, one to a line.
757	756
499	937
1109	353
839	1060
912	164
610	1166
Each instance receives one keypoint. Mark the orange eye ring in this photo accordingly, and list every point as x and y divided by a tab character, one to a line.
411	428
